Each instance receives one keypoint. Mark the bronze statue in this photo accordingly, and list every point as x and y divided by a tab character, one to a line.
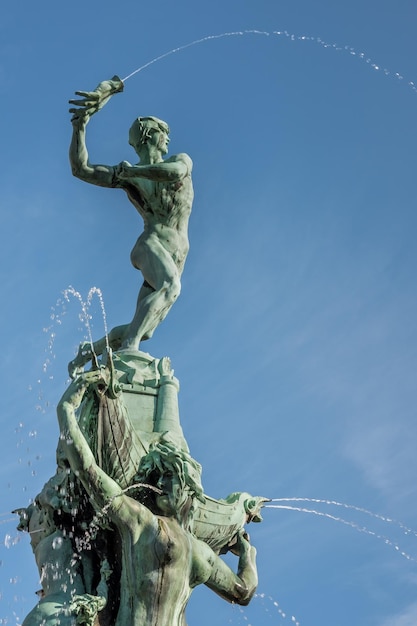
162	560
123	532
161	191
68	591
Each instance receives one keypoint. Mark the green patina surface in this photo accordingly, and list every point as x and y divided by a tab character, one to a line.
123	531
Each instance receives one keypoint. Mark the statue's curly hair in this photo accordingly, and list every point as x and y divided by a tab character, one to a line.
162	457
142	127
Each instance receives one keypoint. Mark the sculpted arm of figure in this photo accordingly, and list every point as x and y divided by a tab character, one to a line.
88	105
173	169
238	588
103	490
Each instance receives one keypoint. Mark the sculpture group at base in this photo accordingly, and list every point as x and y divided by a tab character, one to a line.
123	531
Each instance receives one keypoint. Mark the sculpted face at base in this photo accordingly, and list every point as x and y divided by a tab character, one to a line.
171	500
177	475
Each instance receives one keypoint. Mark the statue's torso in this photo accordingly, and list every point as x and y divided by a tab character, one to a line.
167	203
165	208
157	568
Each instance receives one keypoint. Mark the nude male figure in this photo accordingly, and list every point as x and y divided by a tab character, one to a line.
161	191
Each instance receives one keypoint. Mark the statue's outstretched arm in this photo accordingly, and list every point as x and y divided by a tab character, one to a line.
172	169
237	588
89	103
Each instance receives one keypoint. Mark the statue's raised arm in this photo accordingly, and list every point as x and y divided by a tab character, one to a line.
89	103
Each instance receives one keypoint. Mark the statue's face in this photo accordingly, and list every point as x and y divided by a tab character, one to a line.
160	140
168	501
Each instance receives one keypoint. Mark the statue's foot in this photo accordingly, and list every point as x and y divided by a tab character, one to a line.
84	355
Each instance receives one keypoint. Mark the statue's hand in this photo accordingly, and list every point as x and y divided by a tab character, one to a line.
164	367
123	170
85	354
242	544
96	377
93	101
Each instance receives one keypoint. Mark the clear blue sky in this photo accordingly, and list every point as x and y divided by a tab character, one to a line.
295	334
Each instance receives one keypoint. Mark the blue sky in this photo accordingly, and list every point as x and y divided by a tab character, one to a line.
294	337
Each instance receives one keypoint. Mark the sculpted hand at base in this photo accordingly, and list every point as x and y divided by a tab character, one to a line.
99	379
84	354
240	545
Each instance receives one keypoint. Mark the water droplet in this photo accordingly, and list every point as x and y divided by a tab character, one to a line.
10	541
57	543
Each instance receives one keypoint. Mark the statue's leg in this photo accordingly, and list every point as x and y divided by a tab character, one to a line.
159	292
144	292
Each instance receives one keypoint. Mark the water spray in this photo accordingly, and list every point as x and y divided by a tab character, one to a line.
292	37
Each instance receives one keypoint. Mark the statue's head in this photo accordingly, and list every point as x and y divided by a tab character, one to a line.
37	521
177	475
146	129
24	513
